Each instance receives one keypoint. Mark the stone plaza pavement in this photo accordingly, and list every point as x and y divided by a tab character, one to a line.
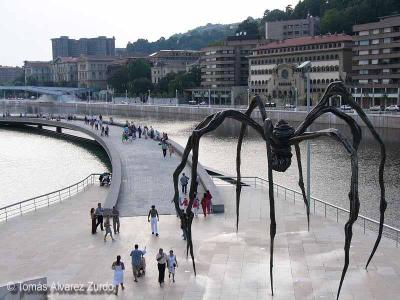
56	242
146	175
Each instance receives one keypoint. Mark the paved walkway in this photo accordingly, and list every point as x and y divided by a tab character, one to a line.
146	175
56	242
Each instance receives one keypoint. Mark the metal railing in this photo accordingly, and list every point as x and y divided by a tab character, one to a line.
328	209
32	204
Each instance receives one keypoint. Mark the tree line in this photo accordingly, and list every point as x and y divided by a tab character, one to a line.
336	16
135	79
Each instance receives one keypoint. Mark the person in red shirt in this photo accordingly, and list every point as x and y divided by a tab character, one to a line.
204	204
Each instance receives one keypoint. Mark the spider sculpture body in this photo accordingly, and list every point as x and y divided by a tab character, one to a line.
279	140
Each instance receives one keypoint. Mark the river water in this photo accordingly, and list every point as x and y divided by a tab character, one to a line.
34	163
330	164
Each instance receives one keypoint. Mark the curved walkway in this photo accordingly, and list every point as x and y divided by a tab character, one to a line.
146	175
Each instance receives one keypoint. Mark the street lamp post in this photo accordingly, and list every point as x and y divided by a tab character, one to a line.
295	98
148	100
305	67
248	97
209	98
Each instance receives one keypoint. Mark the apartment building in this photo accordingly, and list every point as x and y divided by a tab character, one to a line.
376	62
66	47
38	72
273	67
226	64
92	71
65	71
281	30
9	74
171	61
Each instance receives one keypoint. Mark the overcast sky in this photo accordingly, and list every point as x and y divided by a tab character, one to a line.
26	26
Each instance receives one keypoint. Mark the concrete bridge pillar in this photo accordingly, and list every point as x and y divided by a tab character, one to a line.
58	130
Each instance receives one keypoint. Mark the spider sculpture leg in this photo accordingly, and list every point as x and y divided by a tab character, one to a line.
272	229
353	194
301	183
337	88
209	124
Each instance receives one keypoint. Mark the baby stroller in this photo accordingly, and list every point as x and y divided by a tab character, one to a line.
105	179
142	268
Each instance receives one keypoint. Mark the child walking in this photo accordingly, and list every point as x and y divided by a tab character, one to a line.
107	225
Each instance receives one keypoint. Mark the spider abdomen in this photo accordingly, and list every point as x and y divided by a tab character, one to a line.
281	158
281	150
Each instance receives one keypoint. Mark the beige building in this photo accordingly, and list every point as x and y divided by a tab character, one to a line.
92	71
65	71
38	72
273	67
171	61
376	62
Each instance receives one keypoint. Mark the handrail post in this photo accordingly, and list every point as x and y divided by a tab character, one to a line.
59	195
20	209
397	238
6	214
285	194
48	200
364	225
255	182
34	203
69	191
325	210
337	215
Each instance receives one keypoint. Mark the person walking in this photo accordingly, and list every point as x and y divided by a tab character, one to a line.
115	217
204	204
170	149
172	263
209	202
139	132
106	131
161	262
153	213
93	218
137	255
196	204
164	147
107	225
118	267
99	215
184	182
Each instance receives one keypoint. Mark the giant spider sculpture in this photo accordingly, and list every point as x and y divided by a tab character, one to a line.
279	140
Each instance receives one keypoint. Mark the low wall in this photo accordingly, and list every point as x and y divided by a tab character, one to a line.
17	290
205	180
386	120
